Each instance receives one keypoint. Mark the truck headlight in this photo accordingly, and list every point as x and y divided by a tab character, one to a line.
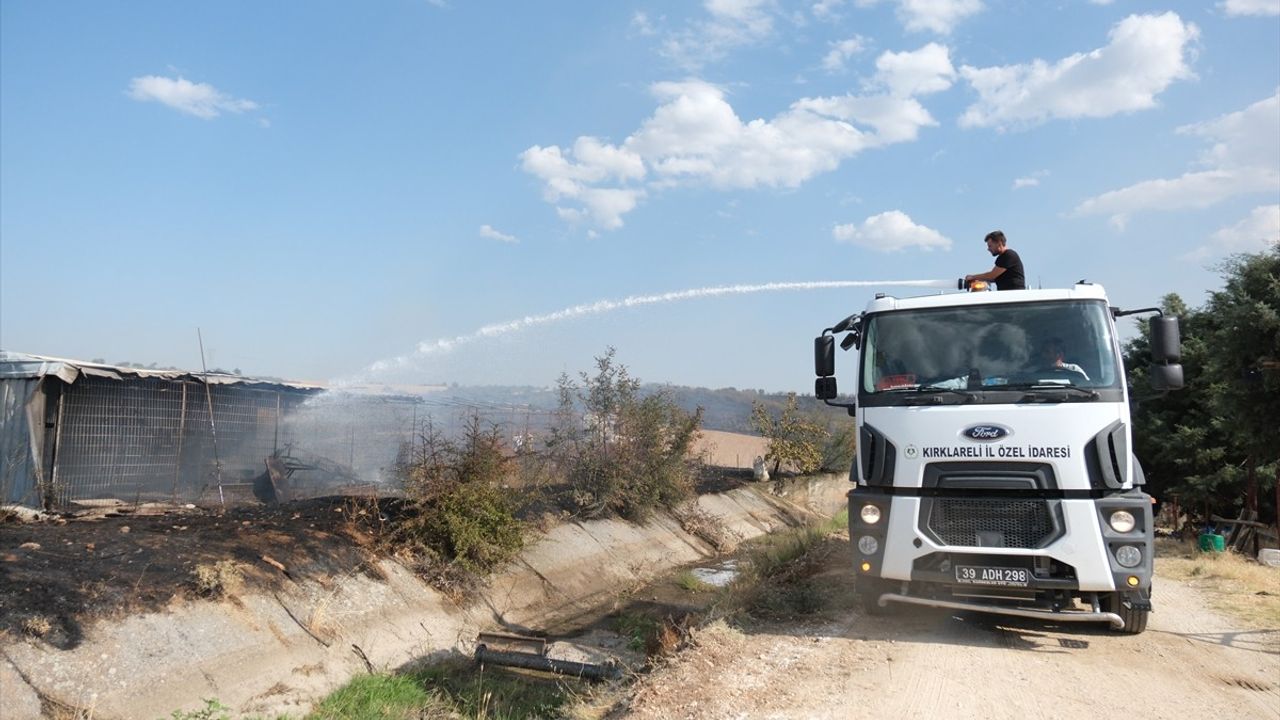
1122	521
868	545
1128	556
870	514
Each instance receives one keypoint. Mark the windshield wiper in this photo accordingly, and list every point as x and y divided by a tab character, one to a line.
1053	391
933	394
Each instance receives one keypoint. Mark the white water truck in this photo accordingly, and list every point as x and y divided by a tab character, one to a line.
995	470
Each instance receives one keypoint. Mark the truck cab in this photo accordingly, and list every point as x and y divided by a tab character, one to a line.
994	469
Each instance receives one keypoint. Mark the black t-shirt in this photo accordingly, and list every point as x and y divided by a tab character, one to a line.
1012	278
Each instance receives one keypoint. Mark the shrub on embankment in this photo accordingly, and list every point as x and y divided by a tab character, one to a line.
802	441
620	453
610	452
460	516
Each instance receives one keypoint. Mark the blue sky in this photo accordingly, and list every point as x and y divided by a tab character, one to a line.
321	186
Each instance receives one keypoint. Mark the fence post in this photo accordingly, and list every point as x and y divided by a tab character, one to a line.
275	441
182	433
57	440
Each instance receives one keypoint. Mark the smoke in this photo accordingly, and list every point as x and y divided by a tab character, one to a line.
443	346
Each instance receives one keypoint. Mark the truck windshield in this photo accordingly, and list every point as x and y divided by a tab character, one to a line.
991	347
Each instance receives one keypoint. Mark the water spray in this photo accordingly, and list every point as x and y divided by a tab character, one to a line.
447	345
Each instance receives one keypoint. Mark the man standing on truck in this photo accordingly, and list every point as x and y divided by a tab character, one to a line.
1007	274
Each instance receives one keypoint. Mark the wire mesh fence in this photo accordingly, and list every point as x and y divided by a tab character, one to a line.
154	438
149	439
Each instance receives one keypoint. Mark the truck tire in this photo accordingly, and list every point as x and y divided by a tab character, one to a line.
1135	620
869	590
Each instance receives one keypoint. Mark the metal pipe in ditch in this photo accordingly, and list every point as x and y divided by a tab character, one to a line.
591	671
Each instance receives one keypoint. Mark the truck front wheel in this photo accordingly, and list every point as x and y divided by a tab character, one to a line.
869	590
1134	617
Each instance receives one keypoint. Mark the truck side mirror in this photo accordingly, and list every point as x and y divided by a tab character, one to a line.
824	388
1166	377
1166	341
824	356
845	324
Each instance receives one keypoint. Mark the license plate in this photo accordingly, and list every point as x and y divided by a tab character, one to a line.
1002	577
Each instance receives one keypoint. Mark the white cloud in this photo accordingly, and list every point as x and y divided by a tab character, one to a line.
571	175
695	137
891	119
1259	231
1101	2
641	24
487	231
1243	158
199	99
1251	7
695	134
923	71
590	161
730	24
841	52
1031	180
1245	138
1255	233
939	16
1145	55
890	232
827	9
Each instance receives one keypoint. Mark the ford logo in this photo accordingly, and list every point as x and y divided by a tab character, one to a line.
986	433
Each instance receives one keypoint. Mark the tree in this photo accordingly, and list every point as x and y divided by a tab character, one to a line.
1182	446
1211	442
1246	364
622	453
793	439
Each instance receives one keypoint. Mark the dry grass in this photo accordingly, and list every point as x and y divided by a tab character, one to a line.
37	626
70	712
218	579
705	526
1236	585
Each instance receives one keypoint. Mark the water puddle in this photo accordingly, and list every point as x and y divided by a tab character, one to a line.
720	575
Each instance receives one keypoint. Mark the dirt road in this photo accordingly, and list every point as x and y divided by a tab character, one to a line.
1191	663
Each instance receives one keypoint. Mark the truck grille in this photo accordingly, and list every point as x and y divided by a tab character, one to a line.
981	522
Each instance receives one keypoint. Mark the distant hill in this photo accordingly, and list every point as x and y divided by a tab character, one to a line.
726	409
730	408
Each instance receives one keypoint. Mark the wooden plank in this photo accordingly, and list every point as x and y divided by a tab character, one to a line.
1228	521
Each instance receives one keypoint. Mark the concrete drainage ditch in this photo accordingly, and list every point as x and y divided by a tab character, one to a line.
277	653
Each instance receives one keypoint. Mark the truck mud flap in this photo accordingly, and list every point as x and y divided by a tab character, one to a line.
1061	616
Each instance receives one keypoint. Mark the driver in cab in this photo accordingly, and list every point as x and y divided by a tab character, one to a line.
1052	357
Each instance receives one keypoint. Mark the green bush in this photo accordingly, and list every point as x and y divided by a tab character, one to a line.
840	447
472	524
459	512
794	440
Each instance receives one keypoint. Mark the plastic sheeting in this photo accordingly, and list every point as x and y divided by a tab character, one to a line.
23	365
117	432
21	440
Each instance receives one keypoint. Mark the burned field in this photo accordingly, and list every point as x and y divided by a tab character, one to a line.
61	573
58	576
